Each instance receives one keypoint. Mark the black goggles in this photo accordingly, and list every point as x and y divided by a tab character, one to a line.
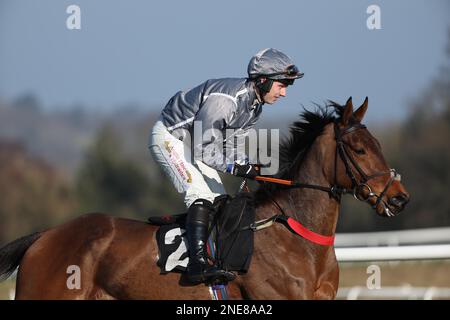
291	71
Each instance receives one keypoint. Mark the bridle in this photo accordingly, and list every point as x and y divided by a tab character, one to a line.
359	189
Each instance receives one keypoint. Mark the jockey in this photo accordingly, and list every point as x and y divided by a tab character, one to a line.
209	111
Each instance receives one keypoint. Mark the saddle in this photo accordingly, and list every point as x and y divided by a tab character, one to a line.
230	240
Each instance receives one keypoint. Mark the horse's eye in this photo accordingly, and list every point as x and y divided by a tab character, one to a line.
360	151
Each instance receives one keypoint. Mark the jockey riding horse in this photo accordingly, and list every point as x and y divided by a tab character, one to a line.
208	111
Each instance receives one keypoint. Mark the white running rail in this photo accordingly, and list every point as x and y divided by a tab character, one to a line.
394	238
422	252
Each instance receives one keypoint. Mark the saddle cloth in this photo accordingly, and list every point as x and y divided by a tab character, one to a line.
230	242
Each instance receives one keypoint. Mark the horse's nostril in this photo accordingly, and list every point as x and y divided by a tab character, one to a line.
404	197
400	200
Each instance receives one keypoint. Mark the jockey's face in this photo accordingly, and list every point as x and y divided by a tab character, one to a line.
278	90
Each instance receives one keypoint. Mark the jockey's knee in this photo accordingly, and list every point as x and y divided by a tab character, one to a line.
190	198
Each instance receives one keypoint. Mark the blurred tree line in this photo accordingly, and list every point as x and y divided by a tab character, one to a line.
33	194
117	175
109	180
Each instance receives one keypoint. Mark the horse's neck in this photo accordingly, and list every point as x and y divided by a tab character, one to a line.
314	208
307	266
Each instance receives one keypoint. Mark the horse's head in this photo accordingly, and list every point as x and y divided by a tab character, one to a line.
361	167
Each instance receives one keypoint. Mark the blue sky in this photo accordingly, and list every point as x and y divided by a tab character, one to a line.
142	52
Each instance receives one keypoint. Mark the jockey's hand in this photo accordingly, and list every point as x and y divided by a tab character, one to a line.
246	170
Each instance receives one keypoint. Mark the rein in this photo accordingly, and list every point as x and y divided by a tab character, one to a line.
334	190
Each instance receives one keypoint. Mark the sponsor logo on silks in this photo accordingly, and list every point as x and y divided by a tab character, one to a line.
177	162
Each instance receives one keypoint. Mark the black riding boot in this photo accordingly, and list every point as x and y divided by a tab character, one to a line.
198	268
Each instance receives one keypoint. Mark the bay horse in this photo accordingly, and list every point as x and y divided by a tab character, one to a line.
330	152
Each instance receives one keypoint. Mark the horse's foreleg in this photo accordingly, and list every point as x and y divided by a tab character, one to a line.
328	284
326	291
99	294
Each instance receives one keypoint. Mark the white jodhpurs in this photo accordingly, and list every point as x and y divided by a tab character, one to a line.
193	178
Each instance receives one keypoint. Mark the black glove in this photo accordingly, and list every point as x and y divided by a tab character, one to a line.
246	170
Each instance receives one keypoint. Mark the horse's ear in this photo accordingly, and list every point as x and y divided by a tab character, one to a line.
361	111
348	112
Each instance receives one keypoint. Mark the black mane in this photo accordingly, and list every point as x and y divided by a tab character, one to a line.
303	133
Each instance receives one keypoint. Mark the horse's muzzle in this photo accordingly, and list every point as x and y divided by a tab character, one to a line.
398	202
